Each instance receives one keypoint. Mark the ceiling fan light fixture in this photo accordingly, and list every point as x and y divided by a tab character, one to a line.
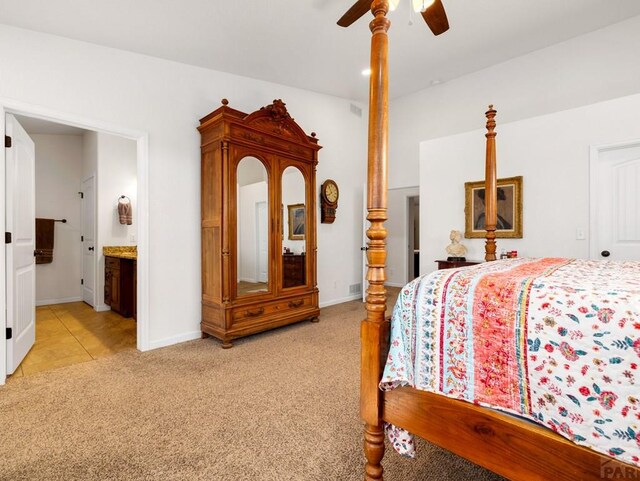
420	6
393	4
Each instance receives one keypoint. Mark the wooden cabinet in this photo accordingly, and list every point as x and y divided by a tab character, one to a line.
444	264
120	285
135	290
112	283
258	194
293	270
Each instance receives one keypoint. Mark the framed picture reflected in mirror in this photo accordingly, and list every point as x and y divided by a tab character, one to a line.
297	221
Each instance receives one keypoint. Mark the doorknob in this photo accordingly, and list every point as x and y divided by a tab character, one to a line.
605	253
90	248
366	248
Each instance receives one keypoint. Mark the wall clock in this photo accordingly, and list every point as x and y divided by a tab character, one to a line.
329	194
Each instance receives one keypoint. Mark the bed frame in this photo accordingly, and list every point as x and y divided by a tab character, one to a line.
511	447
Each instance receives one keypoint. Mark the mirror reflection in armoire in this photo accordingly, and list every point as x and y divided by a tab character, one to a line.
294	225
252	209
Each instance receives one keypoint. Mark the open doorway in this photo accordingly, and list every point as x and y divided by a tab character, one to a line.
79	177
413	237
403	254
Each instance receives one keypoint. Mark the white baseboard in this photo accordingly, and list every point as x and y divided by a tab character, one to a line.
169	341
102	308
64	300
395	284
333	302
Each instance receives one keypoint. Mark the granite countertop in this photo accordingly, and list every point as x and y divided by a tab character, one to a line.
122	252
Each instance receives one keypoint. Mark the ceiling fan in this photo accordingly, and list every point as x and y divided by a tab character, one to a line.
432	11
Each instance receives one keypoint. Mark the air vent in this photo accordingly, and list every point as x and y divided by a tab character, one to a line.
355	110
355	288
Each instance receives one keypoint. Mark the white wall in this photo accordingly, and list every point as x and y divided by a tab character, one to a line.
116	176
117	163
58	178
551	152
590	68
166	99
397	235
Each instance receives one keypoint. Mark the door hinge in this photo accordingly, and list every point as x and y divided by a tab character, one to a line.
81	194
7	237
82	282
81	238
9	333
7	141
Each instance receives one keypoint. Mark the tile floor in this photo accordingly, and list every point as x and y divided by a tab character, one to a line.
72	333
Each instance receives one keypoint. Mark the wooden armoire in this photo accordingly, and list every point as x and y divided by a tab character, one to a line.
258	210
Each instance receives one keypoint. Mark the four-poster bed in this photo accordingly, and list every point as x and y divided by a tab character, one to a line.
507	445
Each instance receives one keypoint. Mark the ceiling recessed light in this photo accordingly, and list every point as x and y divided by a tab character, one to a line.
436	81
366	72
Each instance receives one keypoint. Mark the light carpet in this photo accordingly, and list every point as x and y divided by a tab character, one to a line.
279	406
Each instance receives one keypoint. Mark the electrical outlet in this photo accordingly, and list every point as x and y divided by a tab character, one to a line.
580	234
133	238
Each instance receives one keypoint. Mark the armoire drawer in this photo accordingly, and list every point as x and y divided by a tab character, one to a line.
270	309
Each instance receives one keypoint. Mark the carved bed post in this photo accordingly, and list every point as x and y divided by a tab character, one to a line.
490	187
375	329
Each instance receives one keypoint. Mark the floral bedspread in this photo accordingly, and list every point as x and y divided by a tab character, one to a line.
556	341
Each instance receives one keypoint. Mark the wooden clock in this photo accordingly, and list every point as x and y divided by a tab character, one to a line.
329	194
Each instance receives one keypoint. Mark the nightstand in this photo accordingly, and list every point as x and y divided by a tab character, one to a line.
444	264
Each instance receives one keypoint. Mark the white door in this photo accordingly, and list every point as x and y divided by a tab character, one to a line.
615	203
88	240
20	222
262	231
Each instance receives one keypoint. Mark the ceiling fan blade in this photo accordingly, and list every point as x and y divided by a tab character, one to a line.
355	12
436	18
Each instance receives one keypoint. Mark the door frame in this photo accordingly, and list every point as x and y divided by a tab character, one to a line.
10	106
594	158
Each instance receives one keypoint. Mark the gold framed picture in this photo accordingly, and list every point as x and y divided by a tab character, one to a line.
509	209
297	221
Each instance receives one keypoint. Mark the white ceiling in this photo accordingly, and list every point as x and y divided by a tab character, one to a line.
297	42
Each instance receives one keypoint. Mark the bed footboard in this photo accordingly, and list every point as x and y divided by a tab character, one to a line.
507	445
